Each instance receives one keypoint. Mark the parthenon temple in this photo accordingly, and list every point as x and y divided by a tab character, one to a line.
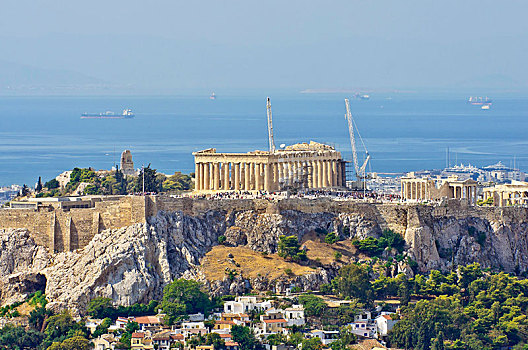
425	188
304	165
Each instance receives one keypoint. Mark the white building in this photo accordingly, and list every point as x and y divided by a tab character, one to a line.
363	329
245	304
92	323
294	315
384	324
326	337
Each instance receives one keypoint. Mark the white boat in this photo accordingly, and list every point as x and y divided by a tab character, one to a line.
213	96
485	107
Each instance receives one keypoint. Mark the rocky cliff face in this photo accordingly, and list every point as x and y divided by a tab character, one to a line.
133	264
21	261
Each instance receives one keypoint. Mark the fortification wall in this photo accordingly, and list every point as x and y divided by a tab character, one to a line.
69	230
60	230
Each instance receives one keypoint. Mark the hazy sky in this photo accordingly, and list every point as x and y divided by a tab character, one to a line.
268	44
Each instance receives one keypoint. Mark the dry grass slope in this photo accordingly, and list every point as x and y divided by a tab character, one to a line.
252	264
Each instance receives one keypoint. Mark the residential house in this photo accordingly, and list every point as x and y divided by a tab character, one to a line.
363	316
294	315
163	340
326	337
105	342
121	322
189	329
384	323
205	347
141	341
363	328
92	323
273	326
221	326
196	317
231	345
245	304
149	323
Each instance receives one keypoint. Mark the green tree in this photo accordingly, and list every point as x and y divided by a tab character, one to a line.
295	339
438	343
353	281
468	274
289	248
177	182
346	335
38	187
38	316
152	182
101	307
276	339
368	245
124	341
25	190
331	238
73	343
245	338
215	340
312	344
62	326
182	297
102	328
404	291
313	305
12	337
52	184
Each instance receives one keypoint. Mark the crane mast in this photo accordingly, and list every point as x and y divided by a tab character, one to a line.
270	127
360	171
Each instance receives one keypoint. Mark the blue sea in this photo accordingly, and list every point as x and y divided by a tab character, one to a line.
43	136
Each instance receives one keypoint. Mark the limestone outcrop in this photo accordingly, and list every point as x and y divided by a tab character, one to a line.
133	263
21	260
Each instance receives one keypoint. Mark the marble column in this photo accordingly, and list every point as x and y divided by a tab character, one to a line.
207	182
275	176
252	176
335	181
216	174
257	176
237	176
267	177
197	176
225	183
319	173
247	178
324	173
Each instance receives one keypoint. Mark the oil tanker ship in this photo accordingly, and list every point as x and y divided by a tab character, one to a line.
127	113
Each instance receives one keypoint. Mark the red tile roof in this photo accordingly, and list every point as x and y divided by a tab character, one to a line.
138	335
147	320
278	320
387	317
231	343
225	336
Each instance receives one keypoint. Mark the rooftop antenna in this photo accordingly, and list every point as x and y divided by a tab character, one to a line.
270	127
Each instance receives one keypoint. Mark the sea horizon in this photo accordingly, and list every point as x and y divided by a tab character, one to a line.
44	135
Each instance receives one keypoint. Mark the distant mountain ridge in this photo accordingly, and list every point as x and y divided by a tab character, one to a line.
16	75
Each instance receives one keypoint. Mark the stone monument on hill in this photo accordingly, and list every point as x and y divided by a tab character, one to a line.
127	164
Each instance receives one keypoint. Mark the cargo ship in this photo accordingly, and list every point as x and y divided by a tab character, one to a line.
479	101
127	113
